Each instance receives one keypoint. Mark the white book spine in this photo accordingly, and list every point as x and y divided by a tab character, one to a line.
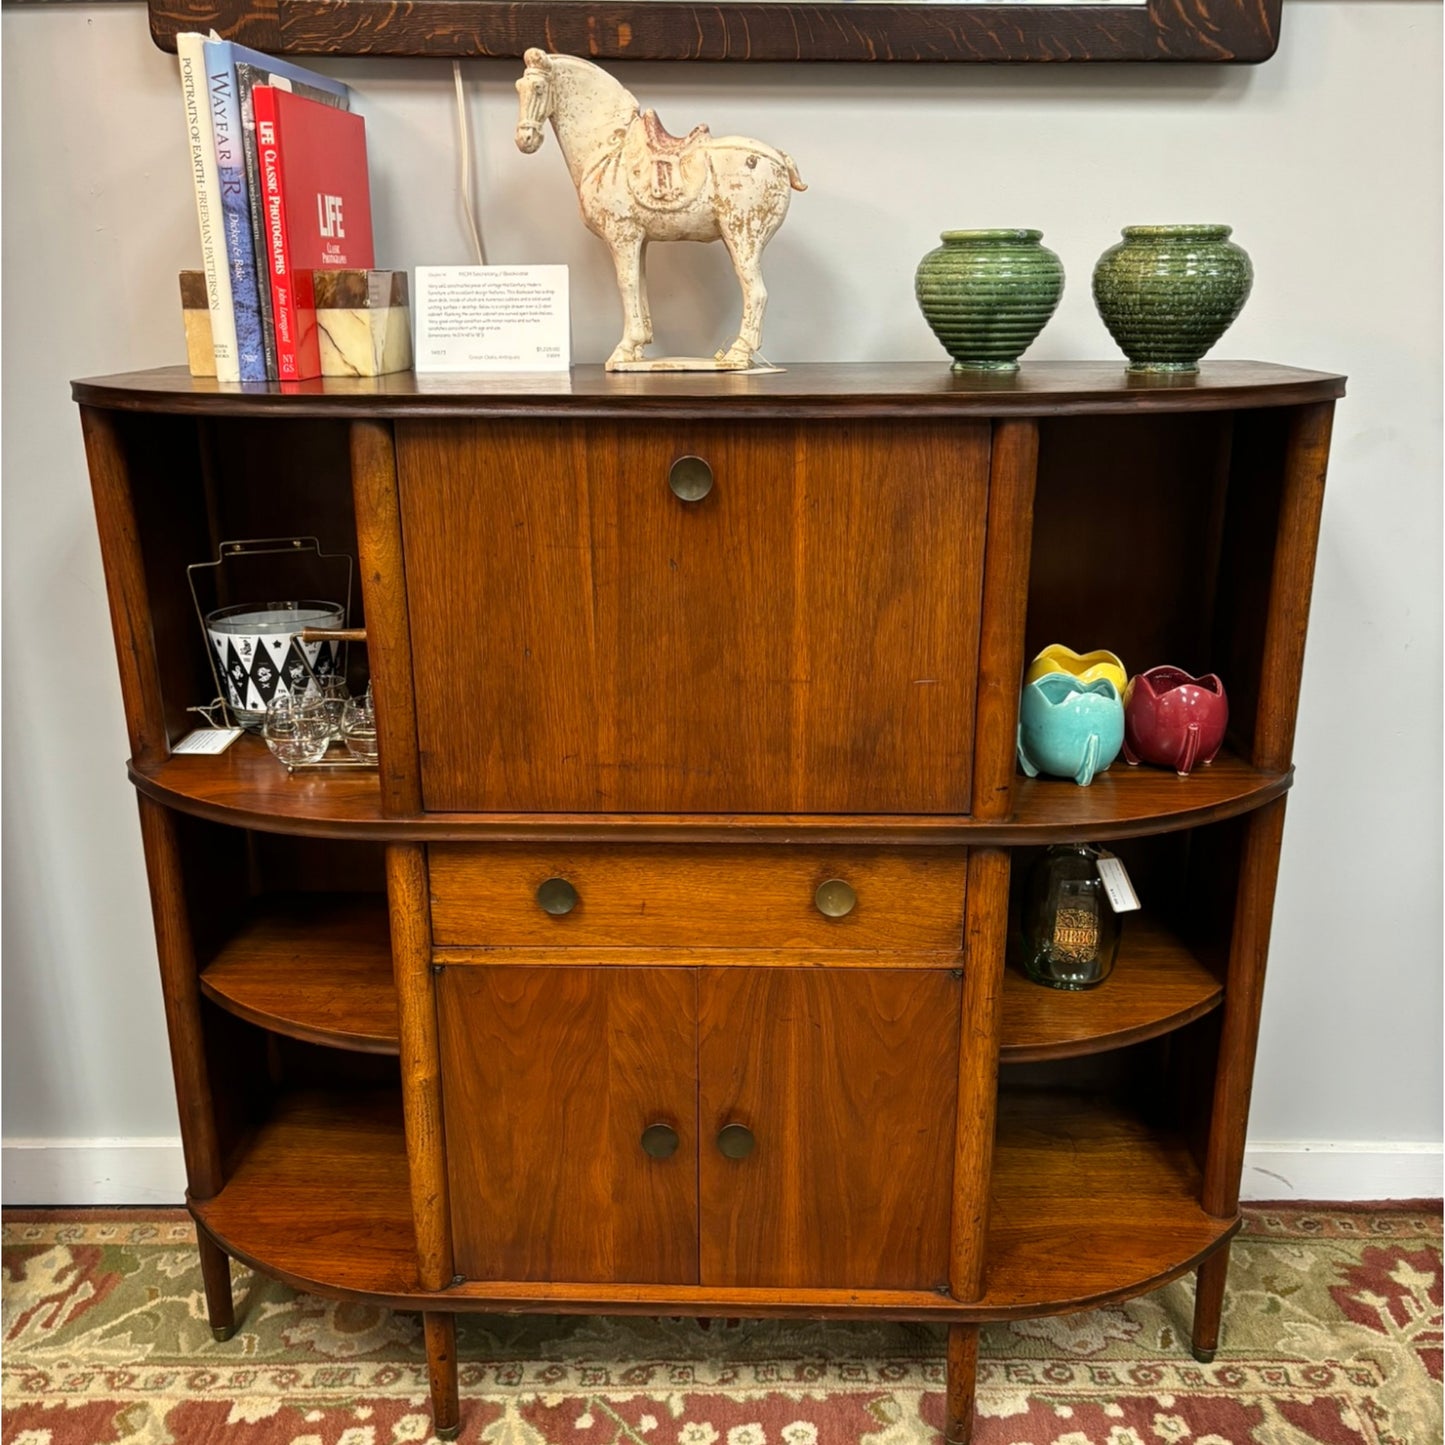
201	150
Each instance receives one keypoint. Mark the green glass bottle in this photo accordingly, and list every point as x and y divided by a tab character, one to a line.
1071	934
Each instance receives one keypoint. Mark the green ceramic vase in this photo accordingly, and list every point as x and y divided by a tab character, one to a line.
1168	293
988	294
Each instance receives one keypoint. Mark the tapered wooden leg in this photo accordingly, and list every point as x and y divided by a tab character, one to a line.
962	1368
216	1276
1209	1304
441	1364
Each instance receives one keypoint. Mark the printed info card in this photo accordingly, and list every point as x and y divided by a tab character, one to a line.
492	318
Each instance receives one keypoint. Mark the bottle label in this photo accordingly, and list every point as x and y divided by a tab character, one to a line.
1117	887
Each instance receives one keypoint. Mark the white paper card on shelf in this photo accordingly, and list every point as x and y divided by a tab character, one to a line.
1117	887
492	318
207	740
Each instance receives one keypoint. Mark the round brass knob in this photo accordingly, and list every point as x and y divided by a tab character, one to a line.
556	896
690	479
835	898
736	1141
659	1141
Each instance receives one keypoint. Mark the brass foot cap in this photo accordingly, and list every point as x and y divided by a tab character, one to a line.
222	1333
450	1432
1205	1357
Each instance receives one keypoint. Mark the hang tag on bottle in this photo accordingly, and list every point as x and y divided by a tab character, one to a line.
1117	887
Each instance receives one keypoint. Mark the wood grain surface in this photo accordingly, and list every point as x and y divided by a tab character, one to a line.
699	897
312	966
809	391
246	787
846	1081
1153	30
1157	985
552	1075
1088	1203
753	651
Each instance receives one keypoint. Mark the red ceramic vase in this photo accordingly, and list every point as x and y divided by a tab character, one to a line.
1174	720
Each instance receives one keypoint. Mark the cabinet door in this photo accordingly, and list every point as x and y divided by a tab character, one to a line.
846	1082
801	638
551	1076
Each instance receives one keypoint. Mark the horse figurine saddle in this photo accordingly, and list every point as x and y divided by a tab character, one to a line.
664	172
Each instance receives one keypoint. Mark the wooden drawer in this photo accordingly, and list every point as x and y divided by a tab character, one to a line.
907	900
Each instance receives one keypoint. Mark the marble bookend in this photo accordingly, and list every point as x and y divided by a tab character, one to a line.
196	315
363	322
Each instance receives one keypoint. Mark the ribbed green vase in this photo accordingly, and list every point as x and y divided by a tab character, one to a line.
988	294
1168	293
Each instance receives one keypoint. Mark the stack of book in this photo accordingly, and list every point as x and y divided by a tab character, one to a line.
279	166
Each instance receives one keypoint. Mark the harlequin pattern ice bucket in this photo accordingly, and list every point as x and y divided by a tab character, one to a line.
259	656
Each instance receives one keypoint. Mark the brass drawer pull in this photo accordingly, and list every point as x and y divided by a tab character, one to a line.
659	1141
690	479
736	1141
835	898
556	896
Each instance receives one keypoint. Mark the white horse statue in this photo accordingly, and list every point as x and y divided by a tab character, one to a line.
636	183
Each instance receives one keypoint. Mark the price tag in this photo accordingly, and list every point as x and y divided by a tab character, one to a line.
207	740
492	318
1117	887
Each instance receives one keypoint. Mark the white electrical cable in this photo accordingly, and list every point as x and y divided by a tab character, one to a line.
464	142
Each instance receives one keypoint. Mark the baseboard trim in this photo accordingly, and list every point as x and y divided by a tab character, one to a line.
1340	1171
92	1171
152	1171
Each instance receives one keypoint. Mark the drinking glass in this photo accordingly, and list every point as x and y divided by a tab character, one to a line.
358	728
334	695
296	729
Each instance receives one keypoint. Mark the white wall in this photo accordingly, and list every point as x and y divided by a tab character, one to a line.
1327	161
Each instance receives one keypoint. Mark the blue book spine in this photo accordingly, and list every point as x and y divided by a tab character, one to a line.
229	124
235	209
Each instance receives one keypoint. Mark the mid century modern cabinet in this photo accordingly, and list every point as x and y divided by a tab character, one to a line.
662	966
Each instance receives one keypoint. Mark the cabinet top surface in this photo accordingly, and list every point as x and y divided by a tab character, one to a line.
1043	388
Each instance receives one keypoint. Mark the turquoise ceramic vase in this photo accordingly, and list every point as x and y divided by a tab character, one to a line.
988	294
1168	293
1069	728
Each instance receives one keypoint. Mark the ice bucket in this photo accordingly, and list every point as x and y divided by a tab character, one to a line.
259	656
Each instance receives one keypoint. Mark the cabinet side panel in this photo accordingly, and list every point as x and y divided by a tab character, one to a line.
847	1083
552	1075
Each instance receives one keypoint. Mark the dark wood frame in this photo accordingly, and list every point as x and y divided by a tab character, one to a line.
1238	31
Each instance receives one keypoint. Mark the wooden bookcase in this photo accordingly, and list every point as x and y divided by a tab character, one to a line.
695	1091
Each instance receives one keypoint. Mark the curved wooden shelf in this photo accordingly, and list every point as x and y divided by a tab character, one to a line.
1089	1208
245	788
810	390
315	967
1157	985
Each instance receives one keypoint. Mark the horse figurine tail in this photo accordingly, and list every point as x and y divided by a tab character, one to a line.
794	179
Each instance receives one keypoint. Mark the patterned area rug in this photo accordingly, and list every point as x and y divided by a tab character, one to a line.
1332	1335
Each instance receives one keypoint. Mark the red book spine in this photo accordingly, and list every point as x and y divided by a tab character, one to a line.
298	354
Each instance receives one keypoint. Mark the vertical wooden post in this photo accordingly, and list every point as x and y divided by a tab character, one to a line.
181	994
1307	450
1291	583
1013	468
440	1329
388	636
962	1375
125	585
1209	1304
421	1085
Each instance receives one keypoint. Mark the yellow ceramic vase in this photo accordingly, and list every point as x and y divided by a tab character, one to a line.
1086	666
